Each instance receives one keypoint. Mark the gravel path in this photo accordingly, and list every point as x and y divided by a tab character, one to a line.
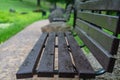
14	51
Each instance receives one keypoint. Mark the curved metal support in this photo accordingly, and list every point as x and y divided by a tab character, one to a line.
100	72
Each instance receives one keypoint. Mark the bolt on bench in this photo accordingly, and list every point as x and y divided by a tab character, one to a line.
93	26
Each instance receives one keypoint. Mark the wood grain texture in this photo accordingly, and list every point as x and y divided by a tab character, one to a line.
104	58
82	64
27	69
99	36
113	5
65	66
46	65
105	21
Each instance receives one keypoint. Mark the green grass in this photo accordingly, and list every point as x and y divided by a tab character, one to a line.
70	22
25	5
17	20
17	5
119	36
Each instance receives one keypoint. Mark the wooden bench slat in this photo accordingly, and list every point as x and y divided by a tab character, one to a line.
46	66
82	64
59	19
98	35
105	21
65	66
27	69
113	5
68	11
104	58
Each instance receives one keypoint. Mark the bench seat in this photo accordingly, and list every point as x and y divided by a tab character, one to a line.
41	59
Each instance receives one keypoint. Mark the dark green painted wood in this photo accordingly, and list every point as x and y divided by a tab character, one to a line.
65	66
104	58
113	5
105	21
82	64
46	65
105	40
27	69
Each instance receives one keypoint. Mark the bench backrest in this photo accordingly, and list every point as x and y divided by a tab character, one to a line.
99	29
68	11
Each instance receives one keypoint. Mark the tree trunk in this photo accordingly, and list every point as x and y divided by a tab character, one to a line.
55	5
38	3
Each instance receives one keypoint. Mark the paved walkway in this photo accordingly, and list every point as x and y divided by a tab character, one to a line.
14	51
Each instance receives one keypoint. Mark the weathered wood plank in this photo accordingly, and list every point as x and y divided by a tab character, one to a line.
104	58
46	65
65	66
98	35
27	69
105	21
59	19
113	5
68	12
82	64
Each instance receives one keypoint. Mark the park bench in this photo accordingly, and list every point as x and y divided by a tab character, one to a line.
95	26
66	15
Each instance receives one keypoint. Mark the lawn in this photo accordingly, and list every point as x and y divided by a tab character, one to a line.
17	5
25	5
13	22
16	22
